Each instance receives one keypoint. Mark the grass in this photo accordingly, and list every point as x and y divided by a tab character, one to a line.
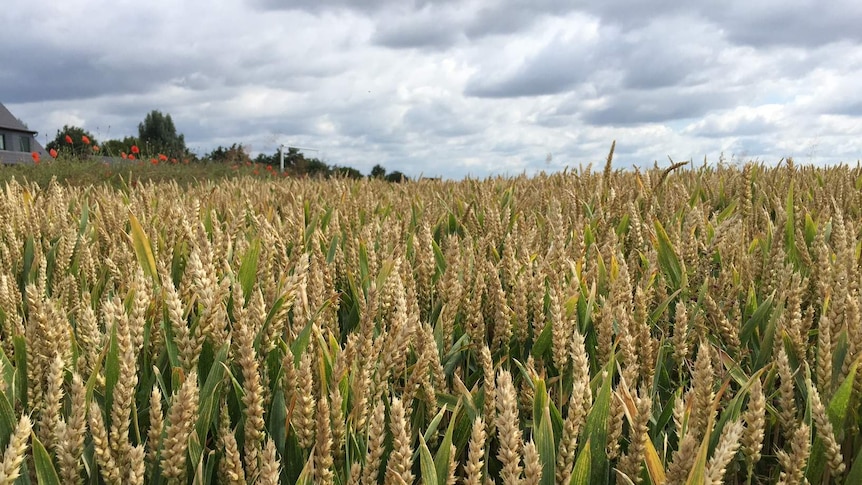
68	171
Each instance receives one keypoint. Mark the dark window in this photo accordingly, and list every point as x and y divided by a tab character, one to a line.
24	143
2	141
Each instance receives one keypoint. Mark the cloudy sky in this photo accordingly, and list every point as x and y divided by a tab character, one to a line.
450	87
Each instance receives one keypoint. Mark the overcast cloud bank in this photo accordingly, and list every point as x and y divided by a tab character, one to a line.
450	87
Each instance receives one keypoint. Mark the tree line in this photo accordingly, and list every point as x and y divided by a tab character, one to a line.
158	137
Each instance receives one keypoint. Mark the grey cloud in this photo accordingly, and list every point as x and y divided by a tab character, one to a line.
554	120
510	16
632	14
805	23
441	25
652	58
239	129
412	38
850	108
421	30
763	23
372	127
31	70
523	84
318	5
438	119
367	6
643	58
499	20
635	107
30	74
555	69
434	24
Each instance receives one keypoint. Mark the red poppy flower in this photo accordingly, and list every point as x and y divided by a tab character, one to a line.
85	140
154	161
96	148
35	156
135	149
123	154
53	153
68	139
163	158
131	157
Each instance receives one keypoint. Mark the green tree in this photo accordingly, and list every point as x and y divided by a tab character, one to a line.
378	172
346	172
292	157
232	154
312	167
396	176
79	143
159	135
115	147
265	159
295	163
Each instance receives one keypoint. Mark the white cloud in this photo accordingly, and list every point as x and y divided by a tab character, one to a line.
742	120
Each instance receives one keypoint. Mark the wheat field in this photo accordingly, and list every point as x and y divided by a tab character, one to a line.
683	325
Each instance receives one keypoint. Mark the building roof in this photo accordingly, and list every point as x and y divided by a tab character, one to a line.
8	121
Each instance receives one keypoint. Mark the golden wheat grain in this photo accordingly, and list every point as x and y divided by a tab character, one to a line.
703	390
137	466
323	461
682	460
15	452
755	423
476	455
181	420
230	466
787	395
793	463
532	465
508	430
70	434
270	468
728	444
400	463
154	437
410	292
824	430
253	390
108	467
615	426
631	462
303	422
375	448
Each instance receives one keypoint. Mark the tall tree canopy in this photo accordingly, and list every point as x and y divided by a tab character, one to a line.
159	135
378	172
